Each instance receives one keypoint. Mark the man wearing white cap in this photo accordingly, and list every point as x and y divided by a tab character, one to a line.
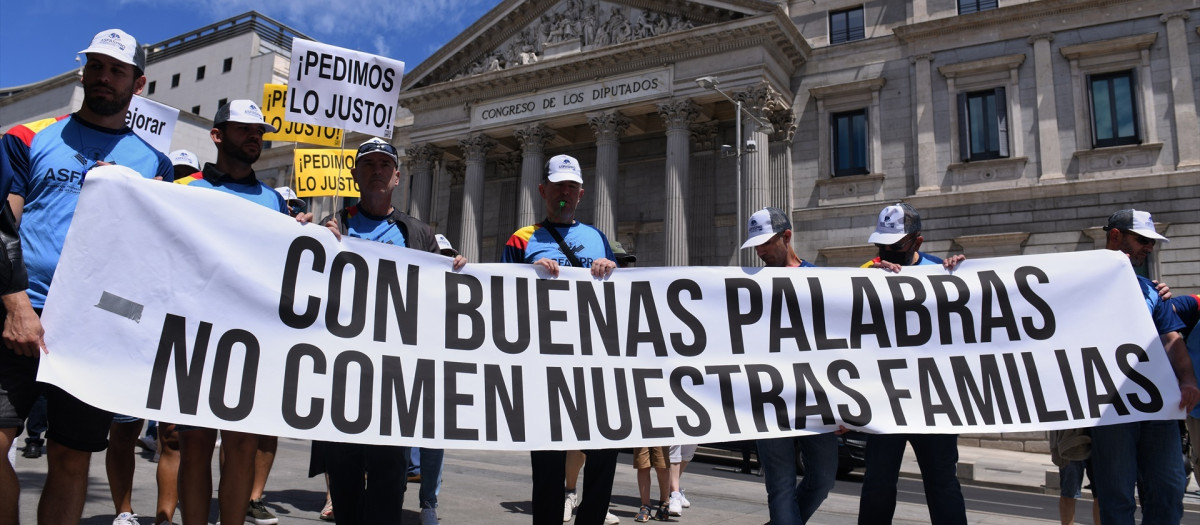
186	165
237	132
1144	454
769	232
560	240
898	237
46	162
367	482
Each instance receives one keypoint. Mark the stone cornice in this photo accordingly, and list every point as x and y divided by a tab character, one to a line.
1108	47
1001	63
773	31
849	88
1014	14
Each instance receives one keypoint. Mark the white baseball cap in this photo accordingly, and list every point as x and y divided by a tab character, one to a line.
1139	222
244	111
119	45
895	223
183	157
764	224
563	168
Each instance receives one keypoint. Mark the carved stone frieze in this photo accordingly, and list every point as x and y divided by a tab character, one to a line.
534	137
608	125
476	147
678	112
575	25
423	154
705	136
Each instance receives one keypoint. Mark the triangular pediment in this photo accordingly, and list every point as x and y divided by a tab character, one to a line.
520	33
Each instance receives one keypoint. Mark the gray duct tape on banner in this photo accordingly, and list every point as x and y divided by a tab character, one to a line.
120	306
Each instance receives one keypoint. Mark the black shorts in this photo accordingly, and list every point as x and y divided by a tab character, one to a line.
72	422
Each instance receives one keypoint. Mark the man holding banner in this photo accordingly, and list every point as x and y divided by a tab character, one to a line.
769	232
237	131
367	482
1144	454
898	237
46	162
560	240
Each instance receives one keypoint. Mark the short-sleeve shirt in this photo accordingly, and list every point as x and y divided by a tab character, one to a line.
248	188
363	225
1165	319
534	242
922	260
46	162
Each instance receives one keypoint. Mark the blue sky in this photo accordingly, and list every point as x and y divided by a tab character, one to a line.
40	38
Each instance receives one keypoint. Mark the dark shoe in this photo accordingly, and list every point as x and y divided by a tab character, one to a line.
663	513
643	514
33	448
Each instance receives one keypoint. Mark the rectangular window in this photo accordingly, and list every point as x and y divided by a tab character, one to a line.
200	73
195	110
1114	109
175	80
227	66
849	143
974	6
150	88
846	26
983	125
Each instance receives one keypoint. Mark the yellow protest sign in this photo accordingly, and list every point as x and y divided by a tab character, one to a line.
274	106
325	173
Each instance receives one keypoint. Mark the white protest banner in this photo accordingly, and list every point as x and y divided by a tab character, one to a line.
325	172
256	323
342	88
152	121
273	102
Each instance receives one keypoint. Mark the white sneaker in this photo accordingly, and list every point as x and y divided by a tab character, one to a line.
429	516
683	499
609	519
569	503
674	505
125	518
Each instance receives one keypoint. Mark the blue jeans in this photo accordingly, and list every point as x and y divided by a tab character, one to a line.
787	501
1146	454
937	455
428	463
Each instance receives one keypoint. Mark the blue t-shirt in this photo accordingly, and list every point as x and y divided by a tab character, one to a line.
533	242
249	188
1164	316
47	167
363	225
922	259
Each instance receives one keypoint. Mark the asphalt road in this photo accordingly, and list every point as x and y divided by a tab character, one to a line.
493	488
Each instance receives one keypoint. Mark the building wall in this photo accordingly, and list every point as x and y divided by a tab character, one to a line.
244	80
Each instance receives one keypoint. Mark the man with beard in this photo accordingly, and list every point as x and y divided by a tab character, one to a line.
237	132
769	232
1144	454
898	237
46	162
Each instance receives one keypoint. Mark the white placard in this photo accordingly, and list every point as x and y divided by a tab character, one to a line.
342	88
152	121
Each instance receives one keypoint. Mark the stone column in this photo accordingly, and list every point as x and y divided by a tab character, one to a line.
785	126
1187	136
677	114
421	159
703	231
759	100
533	139
927	176
608	127
1049	152
475	148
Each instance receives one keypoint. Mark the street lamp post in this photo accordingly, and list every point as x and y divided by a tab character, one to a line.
739	149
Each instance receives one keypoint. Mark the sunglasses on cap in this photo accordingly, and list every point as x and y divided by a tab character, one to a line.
899	245
373	147
1141	239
